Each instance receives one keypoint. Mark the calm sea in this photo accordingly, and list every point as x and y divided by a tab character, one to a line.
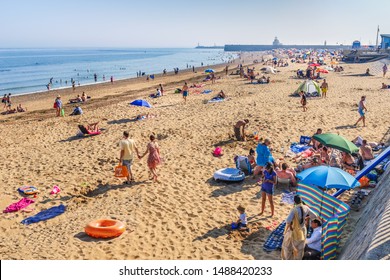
30	70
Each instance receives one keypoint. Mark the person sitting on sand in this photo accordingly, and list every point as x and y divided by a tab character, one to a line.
314	142
366	151
384	86
347	161
242	222
76	100
239	129
251	158
77	111
368	72
221	94
20	109
284	173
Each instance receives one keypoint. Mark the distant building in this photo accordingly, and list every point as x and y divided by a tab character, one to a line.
356	44
276	42
385	44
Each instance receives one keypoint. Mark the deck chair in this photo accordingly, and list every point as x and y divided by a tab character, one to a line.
243	164
85	131
283	183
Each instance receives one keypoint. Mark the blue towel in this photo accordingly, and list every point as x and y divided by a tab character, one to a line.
207	91
45	215
297	148
275	239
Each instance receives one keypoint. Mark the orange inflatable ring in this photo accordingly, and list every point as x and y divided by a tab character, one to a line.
105	228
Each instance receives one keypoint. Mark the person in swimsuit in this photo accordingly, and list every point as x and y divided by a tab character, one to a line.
362	107
184	90
240	135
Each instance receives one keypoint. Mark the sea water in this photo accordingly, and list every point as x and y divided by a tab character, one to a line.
31	70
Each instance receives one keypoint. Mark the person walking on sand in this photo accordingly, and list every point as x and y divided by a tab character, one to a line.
362	107
303	101
154	158
184	90
127	147
384	70
324	88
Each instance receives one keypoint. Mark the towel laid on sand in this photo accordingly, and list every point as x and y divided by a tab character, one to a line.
14	207
275	239
45	215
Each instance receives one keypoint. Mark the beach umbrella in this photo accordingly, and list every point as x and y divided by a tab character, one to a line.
209	71
314	64
328	177
141	103
337	142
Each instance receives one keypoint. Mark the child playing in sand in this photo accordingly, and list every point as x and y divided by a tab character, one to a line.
242	220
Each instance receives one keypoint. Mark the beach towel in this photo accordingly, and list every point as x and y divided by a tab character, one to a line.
14	207
275	239
207	91
298	148
216	99
288	197
45	215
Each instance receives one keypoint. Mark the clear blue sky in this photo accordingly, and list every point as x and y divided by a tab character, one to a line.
181	23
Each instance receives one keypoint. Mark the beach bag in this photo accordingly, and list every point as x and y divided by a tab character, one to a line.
55	105
121	171
364	182
62	113
304	140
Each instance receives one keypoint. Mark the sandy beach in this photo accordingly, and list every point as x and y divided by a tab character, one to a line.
187	215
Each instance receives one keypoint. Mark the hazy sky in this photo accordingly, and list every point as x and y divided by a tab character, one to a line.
181	23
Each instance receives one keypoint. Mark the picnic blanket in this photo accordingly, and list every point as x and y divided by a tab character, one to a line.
14	207
275	239
45	215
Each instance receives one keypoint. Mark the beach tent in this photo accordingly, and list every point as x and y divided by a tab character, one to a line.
310	88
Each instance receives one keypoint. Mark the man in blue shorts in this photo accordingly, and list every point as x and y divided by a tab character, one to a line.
362	107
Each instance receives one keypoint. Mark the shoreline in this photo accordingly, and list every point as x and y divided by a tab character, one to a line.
40	102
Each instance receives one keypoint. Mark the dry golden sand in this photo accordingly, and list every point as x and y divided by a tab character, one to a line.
186	216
